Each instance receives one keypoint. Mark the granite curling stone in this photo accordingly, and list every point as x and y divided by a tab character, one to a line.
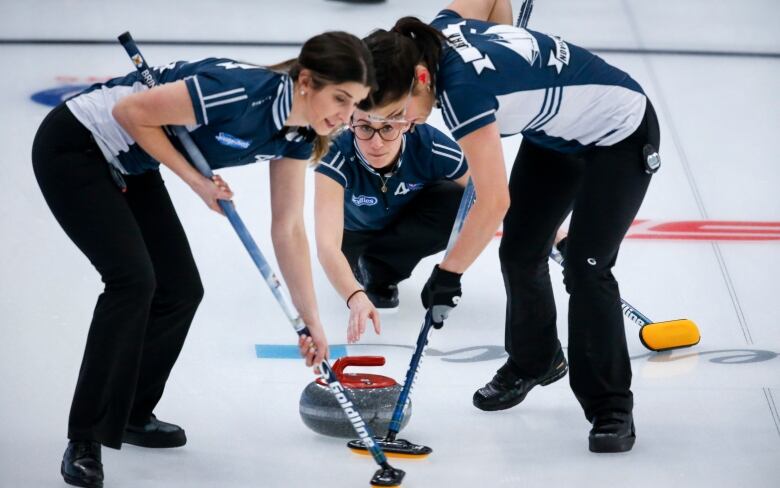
373	395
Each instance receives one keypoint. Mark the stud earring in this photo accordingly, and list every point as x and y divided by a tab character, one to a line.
303	92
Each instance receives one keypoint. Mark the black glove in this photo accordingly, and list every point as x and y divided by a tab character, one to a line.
441	294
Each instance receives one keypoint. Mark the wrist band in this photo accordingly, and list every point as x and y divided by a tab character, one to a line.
359	290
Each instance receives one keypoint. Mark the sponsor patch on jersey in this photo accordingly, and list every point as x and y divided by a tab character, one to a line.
561	56
361	200
231	141
468	52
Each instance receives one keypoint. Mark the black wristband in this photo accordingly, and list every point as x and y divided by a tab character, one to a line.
359	290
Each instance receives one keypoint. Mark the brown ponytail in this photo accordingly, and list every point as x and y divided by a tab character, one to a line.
396	53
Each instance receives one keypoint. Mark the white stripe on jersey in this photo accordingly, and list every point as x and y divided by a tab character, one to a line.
282	105
202	103
93	110
588	114
224	93
457	168
449	114
552	111
275	108
446	155
332	165
229	100
542	111
472	119
455	151
287	107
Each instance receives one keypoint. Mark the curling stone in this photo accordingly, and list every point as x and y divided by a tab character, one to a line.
374	396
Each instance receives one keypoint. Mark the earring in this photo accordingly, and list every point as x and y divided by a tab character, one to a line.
303	92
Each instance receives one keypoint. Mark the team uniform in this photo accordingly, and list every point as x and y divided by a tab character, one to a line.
585	125
394	219
135	239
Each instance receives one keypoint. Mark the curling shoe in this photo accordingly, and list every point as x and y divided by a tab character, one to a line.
507	388
154	433
384	297
612	432
81	464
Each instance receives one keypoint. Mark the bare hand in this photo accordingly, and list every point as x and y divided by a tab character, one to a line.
212	190
360	311
314	348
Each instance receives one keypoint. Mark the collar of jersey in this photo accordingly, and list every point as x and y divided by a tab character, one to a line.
364	162
283	103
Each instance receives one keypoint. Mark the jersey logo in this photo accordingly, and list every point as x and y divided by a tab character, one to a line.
518	40
231	141
467	52
561	55
261	101
234	65
259	158
361	200
404	188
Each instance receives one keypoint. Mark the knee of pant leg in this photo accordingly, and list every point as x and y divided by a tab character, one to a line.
137	280
185	293
517	254
523	269
196	292
585	274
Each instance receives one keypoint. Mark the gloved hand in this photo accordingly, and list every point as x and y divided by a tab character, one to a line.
441	294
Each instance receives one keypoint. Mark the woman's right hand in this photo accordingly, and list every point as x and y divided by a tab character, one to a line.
361	310
211	190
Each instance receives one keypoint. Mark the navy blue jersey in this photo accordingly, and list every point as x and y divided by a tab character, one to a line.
240	111
427	155
555	94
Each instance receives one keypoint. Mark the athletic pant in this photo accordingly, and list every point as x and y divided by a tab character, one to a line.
152	287
603	187
423	228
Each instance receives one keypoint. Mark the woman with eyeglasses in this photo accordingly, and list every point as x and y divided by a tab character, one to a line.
590	142
386	197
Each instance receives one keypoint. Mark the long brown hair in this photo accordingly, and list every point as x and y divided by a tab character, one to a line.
396	53
333	58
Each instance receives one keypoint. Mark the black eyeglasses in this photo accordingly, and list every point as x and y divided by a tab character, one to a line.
388	132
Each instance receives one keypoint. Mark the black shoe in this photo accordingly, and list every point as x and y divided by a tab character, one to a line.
507	388
81	464
612	432
384	296
155	433
382	293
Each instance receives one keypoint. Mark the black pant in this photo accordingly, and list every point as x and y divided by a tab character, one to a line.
152	286
604	187
422	229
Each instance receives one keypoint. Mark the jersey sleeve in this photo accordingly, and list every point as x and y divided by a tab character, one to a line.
447	157
466	108
443	17
217	95
332	166
299	150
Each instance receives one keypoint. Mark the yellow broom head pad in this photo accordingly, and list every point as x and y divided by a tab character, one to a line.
673	334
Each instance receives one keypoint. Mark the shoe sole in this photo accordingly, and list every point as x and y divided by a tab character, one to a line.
504	406
143	440
558	375
78	482
607	445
